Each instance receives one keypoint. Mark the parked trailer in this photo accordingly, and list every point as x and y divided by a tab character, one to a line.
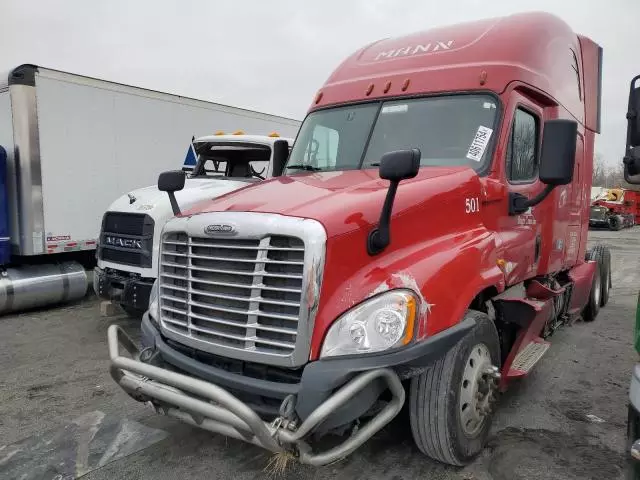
426	240
73	143
614	208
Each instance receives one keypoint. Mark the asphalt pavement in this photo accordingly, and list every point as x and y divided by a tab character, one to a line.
62	416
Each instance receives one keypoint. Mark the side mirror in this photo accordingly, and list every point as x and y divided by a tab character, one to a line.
632	165
557	160
632	156
633	113
395	167
400	165
171	182
280	156
558	152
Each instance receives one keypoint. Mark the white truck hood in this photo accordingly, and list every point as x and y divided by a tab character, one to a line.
156	204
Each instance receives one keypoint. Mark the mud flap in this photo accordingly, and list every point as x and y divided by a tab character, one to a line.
86	444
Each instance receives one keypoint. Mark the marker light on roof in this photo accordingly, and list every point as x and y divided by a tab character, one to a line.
274	134
219	132
238	132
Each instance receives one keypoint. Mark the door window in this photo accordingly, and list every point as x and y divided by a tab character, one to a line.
522	150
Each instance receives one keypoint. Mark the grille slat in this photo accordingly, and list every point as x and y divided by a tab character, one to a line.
195	243
236	272
239	338
244	299
239	293
260	286
257	326
239	260
238	311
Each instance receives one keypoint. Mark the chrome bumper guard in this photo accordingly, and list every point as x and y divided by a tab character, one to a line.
212	408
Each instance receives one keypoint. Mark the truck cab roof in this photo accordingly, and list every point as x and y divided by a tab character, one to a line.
255	139
481	55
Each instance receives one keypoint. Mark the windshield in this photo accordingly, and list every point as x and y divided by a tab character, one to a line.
232	161
449	131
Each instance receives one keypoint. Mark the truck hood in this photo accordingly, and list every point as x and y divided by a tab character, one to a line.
342	201
152	201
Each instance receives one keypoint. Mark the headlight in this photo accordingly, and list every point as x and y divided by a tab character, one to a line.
153	301
380	323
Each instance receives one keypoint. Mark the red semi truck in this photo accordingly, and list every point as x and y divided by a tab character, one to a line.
426	239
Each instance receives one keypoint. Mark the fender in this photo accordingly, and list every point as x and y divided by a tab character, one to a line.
436	270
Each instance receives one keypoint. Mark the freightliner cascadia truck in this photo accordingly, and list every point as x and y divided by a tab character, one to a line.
72	145
427	238
130	234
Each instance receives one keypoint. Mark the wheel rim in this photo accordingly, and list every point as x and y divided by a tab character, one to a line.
477	389
606	277
597	289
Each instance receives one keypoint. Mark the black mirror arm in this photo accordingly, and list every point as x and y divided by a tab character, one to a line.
380	237
518	203
174	203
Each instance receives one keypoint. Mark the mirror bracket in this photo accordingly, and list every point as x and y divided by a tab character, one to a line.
394	166
380	237
519	203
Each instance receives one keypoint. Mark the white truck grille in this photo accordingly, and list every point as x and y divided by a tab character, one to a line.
238	293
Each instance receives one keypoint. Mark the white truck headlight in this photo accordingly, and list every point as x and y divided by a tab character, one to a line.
153	301
379	323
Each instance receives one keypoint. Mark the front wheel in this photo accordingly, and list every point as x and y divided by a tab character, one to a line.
615	222
451	404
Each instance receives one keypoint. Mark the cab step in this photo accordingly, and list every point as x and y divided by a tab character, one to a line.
528	357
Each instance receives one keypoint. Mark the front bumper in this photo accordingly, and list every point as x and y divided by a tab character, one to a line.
124	289
211	407
330	393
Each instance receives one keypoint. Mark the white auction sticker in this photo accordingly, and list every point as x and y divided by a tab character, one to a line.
479	144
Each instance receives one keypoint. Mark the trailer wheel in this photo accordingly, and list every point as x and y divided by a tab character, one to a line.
615	223
592	309
451	403
602	255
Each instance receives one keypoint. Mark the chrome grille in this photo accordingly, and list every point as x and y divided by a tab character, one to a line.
239	293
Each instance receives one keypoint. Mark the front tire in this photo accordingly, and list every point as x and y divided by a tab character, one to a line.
451	403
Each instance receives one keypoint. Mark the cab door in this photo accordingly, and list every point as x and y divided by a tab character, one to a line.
521	235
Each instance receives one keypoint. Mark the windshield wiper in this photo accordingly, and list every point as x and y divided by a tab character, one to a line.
308	168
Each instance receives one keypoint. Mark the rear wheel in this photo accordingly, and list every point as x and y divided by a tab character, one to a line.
592	309
451	404
615	222
602	255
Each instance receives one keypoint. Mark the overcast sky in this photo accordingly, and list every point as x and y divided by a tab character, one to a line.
273	55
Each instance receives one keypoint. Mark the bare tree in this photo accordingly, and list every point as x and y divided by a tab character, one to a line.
609	176
599	171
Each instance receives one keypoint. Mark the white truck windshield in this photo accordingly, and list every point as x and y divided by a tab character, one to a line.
449	131
240	161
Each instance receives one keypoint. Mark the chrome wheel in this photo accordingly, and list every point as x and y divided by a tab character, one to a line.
477	389
597	288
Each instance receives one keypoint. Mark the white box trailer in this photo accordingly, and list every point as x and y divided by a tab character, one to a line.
73	144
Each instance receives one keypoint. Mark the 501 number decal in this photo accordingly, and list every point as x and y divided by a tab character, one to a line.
471	205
